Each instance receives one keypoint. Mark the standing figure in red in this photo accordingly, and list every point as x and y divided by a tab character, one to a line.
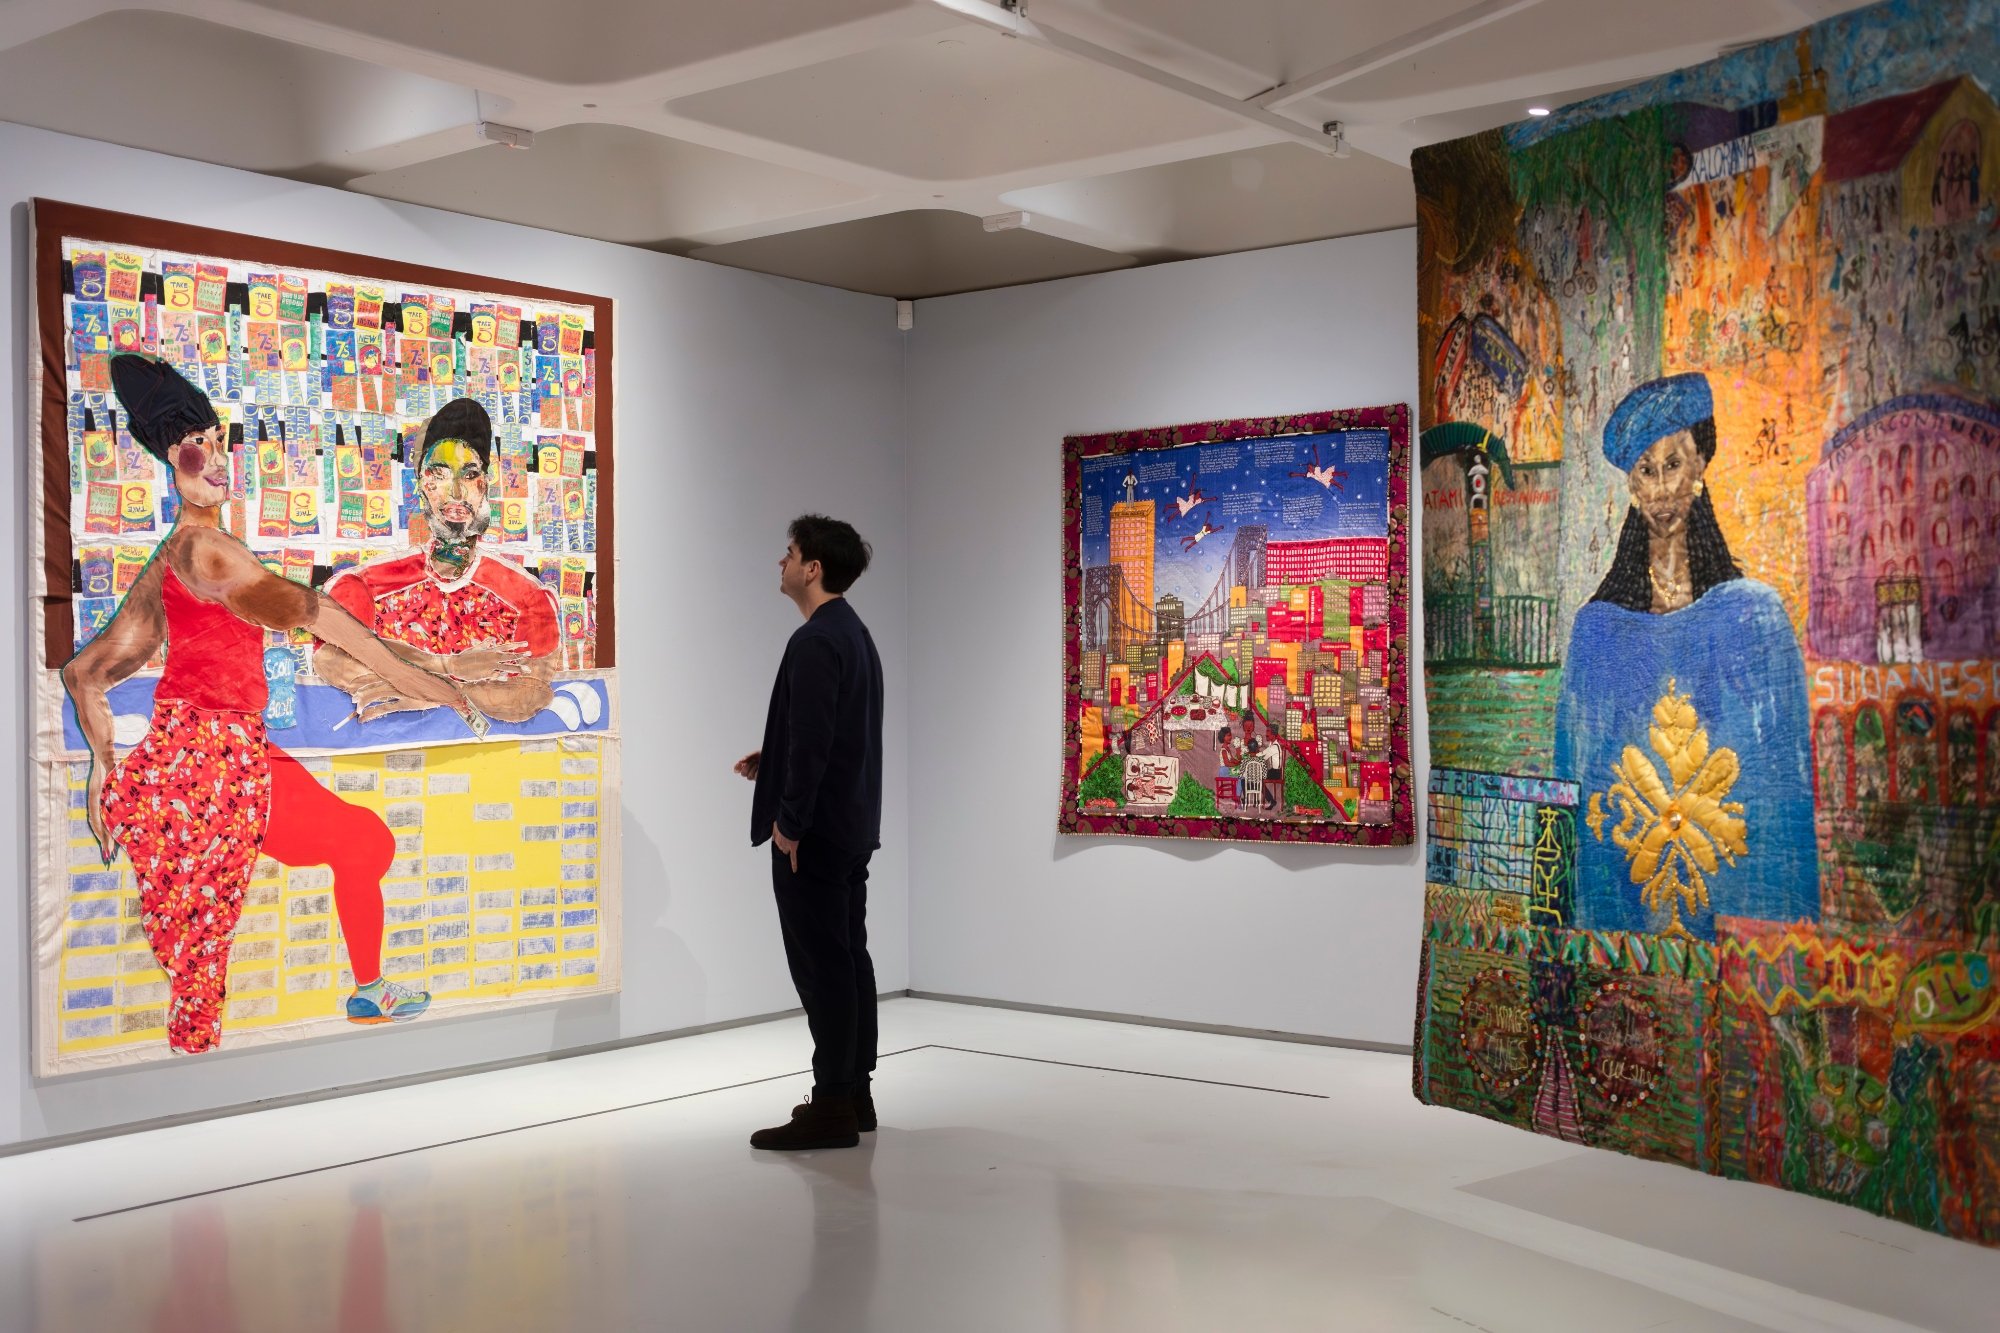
204	792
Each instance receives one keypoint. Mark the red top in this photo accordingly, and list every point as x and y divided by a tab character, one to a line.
215	658
399	599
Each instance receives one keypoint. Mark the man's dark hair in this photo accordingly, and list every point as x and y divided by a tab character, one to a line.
841	553
460	419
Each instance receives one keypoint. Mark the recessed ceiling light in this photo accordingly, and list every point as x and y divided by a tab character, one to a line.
1538	111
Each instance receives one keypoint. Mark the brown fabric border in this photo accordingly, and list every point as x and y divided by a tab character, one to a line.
51	220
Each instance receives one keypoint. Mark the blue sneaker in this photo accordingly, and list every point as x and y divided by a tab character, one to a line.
386	1002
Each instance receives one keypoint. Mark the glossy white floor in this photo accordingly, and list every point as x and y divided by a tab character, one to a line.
1186	1182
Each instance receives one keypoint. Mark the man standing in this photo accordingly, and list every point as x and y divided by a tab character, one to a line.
818	801
451	608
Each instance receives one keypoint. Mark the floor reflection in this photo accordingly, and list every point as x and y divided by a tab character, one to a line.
839	1290
195	1295
1000	1196
369	1249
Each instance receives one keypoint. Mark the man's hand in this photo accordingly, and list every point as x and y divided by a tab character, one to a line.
384	707
417	687
746	767
378	698
788	846
488	660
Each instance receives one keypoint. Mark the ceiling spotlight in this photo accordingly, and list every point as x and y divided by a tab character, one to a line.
1538	111
1337	132
1009	16
507	136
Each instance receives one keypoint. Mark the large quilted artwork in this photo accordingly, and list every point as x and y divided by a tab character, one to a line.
325	717
1237	614
1710	458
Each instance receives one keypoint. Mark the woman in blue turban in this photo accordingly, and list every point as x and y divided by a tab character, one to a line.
1683	710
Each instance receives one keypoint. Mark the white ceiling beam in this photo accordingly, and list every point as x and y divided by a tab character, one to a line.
1402	47
24	21
1232	140
357	163
1016	25
785	55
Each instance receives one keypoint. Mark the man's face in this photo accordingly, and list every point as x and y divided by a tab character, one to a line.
795	572
453	490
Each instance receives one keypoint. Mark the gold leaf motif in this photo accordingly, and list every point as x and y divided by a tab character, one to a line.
1674	831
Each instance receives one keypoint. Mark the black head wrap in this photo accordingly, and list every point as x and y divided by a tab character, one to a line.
161	408
461	419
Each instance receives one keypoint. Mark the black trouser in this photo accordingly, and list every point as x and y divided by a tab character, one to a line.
823	908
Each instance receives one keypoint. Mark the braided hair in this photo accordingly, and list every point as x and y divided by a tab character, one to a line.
1630	582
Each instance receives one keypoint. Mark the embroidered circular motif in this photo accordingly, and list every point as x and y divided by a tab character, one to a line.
1497	1032
1622	1055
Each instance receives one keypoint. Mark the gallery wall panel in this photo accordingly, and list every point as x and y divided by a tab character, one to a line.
1286	936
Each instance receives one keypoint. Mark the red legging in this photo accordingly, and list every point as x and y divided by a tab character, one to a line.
310	826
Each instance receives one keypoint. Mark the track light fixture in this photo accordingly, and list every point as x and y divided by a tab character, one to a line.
1006	15
507	136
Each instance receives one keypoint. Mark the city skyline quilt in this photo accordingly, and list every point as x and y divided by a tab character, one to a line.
1237	628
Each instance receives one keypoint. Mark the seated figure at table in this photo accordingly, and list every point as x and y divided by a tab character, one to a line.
450	607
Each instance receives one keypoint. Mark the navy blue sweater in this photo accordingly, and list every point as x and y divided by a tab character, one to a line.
820	774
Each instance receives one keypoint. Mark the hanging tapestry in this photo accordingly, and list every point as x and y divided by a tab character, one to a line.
325	715
1711	498
1236	630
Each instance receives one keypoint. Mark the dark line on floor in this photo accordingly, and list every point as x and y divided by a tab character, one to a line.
661	1101
452	1143
1873	1241
1137	1073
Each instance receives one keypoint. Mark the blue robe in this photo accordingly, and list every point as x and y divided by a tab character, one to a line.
1733	654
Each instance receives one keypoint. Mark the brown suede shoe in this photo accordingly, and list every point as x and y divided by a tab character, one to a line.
864	1111
814	1124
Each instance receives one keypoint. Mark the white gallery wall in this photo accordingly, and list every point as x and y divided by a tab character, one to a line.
1297	939
741	401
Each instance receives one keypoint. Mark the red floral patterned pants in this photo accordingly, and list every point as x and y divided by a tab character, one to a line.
190	804
193	805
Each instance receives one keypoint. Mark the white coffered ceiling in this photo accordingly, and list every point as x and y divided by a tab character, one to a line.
853	142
